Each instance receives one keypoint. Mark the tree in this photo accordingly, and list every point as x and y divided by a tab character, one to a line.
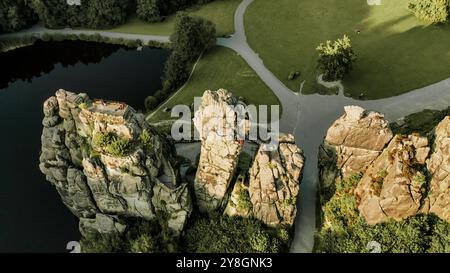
431	11
192	35
52	12
336	58
91	13
15	15
106	13
150	103
148	10
176	71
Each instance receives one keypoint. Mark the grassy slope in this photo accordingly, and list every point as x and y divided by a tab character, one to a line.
397	53
221	68
221	12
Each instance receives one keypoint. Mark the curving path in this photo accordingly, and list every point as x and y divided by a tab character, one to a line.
306	116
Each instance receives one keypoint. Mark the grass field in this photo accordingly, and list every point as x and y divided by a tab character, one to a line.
221	12
397	52
221	68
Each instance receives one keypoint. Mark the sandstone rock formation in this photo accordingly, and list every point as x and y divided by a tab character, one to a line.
106	163
268	191
439	167
217	123
353	142
274	182
394	183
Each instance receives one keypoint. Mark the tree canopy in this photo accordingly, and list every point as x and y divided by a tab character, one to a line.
431	11
15	15
336	58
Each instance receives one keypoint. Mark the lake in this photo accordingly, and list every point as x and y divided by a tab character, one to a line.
32	216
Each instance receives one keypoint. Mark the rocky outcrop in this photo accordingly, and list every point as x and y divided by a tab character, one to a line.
106	162
439	168
217	123
174	204
352	143
275	182
393	186
395	180
103	224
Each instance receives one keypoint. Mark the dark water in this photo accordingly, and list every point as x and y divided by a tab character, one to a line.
32	217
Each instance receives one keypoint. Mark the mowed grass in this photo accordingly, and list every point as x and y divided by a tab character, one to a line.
221	12
221	68
396	52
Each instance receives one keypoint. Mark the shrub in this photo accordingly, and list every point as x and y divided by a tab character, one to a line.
112	143
431	11
150	103
244	200
340	211
119	147
336	59
101	243
293	75
146	139
223	234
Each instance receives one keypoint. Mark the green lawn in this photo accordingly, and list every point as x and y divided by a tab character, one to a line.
397	52
221	68
221	12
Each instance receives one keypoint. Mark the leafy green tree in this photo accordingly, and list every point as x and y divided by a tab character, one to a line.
148	10
54	13
176	72
192	35
336	58
431	11
91	13
15	15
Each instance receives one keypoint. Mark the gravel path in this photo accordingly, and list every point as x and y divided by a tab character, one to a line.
39	30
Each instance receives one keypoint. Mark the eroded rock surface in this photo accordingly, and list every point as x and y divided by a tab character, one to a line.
216	121
352	143
395	181
394	185
275	182
106	162
439	167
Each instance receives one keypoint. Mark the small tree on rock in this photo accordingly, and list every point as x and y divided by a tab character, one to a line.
336	59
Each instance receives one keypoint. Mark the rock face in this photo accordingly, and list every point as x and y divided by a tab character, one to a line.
352	143
394	183
274	182
268	191
217	123
106	163
439	167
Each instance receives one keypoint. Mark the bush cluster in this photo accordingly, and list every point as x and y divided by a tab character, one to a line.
223	234
431	11
112	143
